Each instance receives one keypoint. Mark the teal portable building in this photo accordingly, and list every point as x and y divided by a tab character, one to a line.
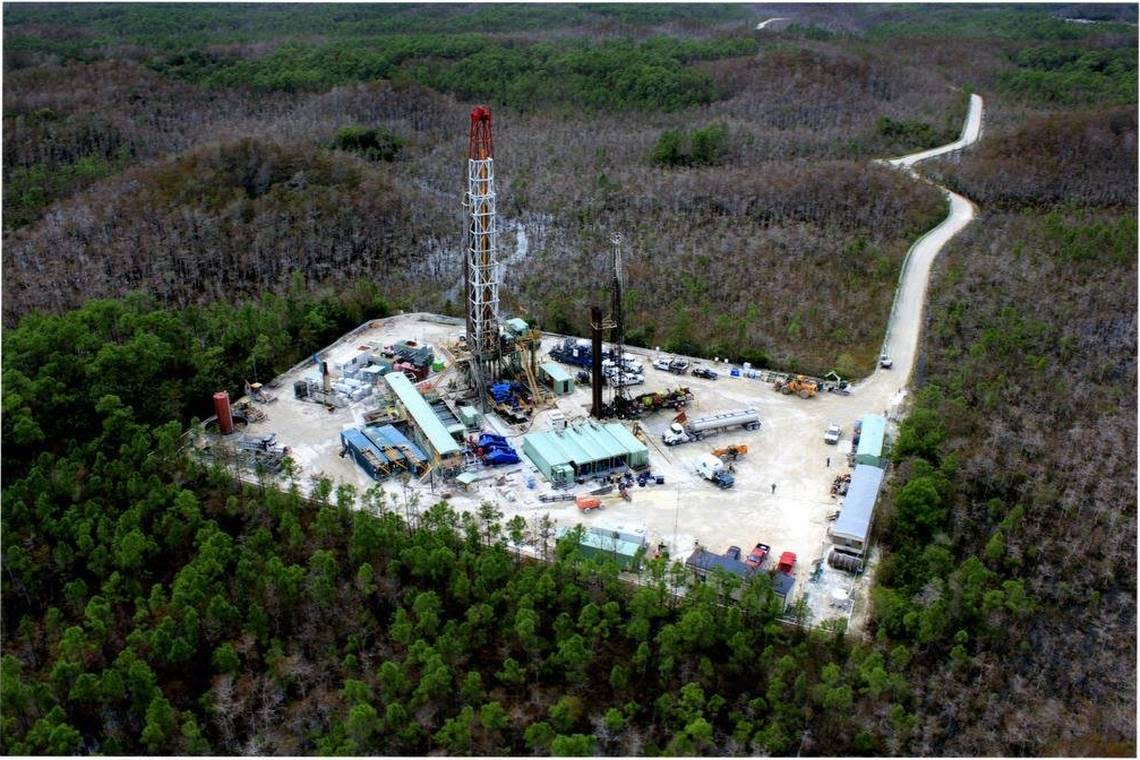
557	378
871	437
607	545
584	451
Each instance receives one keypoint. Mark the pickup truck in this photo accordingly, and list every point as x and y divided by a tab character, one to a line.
661	364
627	379
787	562
833	434
758	555
733	553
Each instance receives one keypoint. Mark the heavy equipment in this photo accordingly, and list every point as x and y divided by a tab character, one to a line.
801	385
493	450
573	351
588	503
731	453
833	383
677	398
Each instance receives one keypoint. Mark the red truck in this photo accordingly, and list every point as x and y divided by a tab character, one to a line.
787	562
757	557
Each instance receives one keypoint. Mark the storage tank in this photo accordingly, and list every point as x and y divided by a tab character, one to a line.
222	409
744	417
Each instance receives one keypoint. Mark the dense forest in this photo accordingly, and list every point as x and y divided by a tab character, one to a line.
152	605
115	118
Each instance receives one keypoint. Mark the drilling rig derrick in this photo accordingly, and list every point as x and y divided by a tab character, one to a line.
481	267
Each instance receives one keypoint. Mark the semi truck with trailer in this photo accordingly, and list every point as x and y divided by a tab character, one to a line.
683	430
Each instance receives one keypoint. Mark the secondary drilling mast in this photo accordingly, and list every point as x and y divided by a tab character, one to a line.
481	267
597	408
621	393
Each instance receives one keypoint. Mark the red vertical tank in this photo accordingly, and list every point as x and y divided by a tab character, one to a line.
222	409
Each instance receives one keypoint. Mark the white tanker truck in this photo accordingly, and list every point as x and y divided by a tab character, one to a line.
683	430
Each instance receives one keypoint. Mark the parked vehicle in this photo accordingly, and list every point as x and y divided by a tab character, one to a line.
786	563
679	366
662	364
733	553
833	434
631	363
682	430
885	361
624	380
712	469
757	556
705	372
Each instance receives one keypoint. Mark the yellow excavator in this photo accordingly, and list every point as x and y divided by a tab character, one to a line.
802	386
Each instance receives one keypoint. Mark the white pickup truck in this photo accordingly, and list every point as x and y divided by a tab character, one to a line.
833	434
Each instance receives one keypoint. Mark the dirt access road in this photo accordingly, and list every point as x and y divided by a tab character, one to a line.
884	387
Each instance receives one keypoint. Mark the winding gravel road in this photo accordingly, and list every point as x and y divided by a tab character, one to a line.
885	386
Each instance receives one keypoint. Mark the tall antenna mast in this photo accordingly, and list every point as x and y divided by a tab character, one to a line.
481	280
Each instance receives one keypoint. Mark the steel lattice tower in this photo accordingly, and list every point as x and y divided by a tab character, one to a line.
481	264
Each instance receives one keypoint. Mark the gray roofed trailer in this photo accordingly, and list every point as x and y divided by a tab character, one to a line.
853	526
702	563
782	585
